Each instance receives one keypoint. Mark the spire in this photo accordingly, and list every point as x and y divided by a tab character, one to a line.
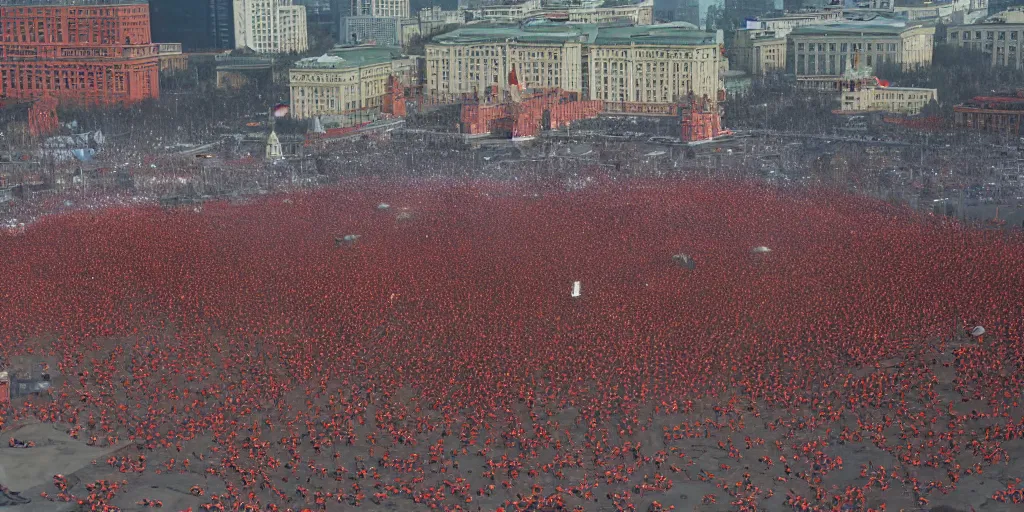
273	146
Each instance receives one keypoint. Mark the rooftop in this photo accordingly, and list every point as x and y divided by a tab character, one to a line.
341	57
1008	101
799	15
759	34
1013	15
678	33
550	32
905	89
532	33
878	26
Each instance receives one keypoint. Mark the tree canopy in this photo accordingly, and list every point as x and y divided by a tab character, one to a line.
958	73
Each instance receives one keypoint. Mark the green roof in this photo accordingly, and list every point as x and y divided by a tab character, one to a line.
552	32
534	33
341	57
663	34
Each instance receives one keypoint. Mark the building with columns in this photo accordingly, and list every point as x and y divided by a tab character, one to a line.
380	8
346	79
758	52
1002	114
653	64
1000	37
828	50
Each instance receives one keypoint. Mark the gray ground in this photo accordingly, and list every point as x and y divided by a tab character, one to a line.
31	470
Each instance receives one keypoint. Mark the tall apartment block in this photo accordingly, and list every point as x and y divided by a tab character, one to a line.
399	8
270	26
196	24
85	51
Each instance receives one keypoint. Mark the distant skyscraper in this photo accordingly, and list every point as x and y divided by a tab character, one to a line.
196	24
399	8
222	23
319	13
678	10
995	6
689	11
341	8
741	9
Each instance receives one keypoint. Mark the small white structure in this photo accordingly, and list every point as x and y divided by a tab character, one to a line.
577	289
977	331
383	206
274	146
760	250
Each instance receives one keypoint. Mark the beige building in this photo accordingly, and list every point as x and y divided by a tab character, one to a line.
758	52
641	13
1001	37
828	50
897	100
433	20
784	24
380	8
506	13
344	80
662	64
171	58
629	64
270	26
470	65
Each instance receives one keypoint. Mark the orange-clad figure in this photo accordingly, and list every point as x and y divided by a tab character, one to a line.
394	100
5	388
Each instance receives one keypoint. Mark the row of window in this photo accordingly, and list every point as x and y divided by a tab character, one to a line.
29	79
96	31
74	12
846	47
809	65
990	35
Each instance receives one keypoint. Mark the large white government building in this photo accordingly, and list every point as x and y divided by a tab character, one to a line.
635	64
345	79
829	50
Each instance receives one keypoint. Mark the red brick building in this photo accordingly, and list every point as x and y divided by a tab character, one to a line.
86	51
995	114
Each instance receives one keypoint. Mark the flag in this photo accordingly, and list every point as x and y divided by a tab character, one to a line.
513	80
882	83
514	87
280	110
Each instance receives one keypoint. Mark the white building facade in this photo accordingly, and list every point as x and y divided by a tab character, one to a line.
380	8
270	26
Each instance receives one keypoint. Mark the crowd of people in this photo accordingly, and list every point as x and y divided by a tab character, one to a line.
440	362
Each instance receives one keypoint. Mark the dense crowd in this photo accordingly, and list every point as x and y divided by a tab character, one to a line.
439	362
